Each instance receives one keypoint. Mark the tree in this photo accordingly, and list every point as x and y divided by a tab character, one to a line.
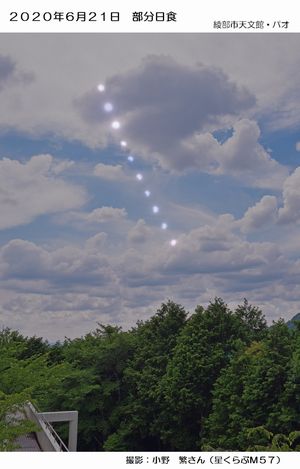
253	322
248	390
95	385
154	342
285	416
260	439
13	422
202	350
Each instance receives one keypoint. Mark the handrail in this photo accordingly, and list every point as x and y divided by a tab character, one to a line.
54	433
48	426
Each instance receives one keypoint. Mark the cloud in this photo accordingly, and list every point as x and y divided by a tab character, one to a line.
103	214
77	285
162	103
193	119
48	107
23	259
298	146
96	242
266	211
169	112
290	212
9	73
59	167
140	233
241	155
96	216
216	249
262	213
61	268
110	172
7	68
163	100
30	189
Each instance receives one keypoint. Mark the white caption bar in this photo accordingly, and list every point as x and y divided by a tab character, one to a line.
174	460
149	16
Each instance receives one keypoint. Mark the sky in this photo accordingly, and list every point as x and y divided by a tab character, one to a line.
137	168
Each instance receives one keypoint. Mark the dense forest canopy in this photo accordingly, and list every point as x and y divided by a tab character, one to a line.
217	379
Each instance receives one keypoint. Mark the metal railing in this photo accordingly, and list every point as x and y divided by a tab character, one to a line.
57	438
48	428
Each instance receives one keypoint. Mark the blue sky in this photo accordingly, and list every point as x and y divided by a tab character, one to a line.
215	137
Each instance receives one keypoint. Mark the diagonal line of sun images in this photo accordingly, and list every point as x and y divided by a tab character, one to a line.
116	125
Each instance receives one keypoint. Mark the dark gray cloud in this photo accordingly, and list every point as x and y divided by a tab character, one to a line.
11	74
168	112
162	103
7	68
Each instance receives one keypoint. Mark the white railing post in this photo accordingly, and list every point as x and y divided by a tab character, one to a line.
47	436
73	430
65	416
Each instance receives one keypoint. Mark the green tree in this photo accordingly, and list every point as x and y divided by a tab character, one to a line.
260	439
95	386
154	342
285	417
13	422
206	345
248	390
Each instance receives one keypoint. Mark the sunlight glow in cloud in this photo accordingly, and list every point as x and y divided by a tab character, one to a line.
115	124
108	107
101	88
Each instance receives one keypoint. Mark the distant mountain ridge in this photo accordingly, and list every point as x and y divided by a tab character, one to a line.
291	322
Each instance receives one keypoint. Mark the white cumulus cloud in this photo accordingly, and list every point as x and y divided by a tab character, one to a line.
30	189
290	212
110	172
262	213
